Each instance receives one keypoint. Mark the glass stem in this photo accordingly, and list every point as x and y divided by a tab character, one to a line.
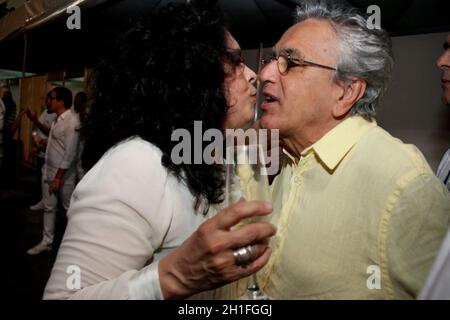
253	283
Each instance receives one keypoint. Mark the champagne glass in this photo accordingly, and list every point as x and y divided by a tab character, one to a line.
260	188
259	192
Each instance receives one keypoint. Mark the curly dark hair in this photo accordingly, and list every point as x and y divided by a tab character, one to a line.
166	73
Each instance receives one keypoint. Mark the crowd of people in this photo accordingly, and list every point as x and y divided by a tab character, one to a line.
348	197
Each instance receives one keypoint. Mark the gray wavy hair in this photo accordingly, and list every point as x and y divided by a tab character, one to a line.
364	53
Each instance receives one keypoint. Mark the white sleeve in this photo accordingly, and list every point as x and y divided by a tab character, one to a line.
144	285
119	215
437	286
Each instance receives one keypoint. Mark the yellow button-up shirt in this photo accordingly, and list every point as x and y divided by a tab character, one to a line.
359	216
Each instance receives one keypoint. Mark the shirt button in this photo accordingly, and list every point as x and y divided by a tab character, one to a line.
297	180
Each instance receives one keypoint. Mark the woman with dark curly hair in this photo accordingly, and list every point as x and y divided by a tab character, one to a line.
138	224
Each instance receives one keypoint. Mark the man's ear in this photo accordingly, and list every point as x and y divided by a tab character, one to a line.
352	91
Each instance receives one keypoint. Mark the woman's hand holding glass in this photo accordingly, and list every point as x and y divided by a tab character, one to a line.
206	260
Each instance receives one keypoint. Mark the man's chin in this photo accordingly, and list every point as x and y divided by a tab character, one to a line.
266	122
270	121
446	99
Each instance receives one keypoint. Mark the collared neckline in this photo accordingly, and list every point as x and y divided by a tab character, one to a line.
335	145
62	115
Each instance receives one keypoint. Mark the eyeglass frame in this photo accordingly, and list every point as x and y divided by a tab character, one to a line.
290	62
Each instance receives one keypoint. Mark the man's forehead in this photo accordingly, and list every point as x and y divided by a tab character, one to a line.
290	50
293	46
309	36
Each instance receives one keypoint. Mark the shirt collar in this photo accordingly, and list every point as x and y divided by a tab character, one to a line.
63	115
336	144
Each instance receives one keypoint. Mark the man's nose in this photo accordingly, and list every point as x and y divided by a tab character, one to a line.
269	72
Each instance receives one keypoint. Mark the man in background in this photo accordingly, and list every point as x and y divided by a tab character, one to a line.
40	138
10	108
59	173
437	286
444	64
9	126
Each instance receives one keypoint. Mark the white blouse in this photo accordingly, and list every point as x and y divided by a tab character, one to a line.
125	214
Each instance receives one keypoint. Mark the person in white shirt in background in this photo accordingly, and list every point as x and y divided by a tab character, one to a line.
41	131
10	146
443	63
80	109
59	172
437	286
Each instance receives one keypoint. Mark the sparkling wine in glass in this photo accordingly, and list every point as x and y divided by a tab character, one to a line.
259	192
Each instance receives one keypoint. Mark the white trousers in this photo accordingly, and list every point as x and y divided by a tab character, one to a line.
51	207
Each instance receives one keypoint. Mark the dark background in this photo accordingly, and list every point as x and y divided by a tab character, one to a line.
52	47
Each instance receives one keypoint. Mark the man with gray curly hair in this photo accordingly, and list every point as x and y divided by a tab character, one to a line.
359	214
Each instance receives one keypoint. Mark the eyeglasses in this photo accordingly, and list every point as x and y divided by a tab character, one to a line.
235	58
285	62
52	98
